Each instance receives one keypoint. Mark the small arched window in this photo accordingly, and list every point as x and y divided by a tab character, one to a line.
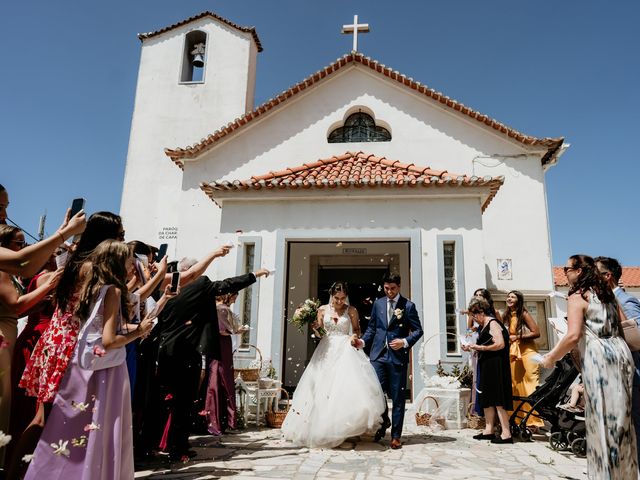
194	57
359	127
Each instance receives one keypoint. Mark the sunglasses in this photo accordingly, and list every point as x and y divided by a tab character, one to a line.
20	243
567	269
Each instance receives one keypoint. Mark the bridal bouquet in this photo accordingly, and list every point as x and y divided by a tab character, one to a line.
306	314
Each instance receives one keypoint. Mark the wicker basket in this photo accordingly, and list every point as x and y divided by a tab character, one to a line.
474	420
249	374
424	419
275	417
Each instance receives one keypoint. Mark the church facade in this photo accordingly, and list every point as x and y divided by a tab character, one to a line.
354	172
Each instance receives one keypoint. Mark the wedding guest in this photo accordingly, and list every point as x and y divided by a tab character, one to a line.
52	353
14	302
525	372
88	433
495	394
220	405
607	370
611	272
189	330
472	327
144	279
29	260
23	406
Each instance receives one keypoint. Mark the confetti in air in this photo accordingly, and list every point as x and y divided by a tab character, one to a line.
91	426
80	406
80	442
4	439
61	448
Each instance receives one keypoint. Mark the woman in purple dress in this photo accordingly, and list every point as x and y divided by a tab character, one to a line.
88	434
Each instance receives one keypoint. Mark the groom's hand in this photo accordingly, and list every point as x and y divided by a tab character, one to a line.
396	343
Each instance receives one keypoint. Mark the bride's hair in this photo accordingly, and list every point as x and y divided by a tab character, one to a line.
338	287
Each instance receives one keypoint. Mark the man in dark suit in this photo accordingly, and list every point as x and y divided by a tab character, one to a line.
393	329
189	331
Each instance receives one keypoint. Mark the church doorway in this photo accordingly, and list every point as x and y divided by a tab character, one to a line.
314	266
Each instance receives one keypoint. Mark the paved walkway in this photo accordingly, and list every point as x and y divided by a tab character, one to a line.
452	454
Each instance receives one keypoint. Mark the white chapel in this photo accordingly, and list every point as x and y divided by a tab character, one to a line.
355	171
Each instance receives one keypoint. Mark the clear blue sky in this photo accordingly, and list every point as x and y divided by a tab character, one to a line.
545	67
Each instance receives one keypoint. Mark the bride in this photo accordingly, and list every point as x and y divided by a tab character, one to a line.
339	395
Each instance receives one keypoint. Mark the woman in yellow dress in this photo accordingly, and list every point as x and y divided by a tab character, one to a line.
525	372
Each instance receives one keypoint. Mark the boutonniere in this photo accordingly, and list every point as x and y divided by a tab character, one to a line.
398	313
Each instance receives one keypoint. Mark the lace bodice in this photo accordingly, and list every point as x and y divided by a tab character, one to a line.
340	327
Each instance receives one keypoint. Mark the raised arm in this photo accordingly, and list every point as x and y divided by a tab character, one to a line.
110	337
148	288
20	304
29	260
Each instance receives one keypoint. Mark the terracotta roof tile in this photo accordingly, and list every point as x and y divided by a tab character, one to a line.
358	170
551	144
630	277
251	30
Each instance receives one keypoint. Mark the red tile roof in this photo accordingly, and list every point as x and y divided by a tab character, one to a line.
630	277
251	30
356	170
551	144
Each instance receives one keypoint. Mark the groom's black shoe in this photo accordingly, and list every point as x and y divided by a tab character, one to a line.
382	430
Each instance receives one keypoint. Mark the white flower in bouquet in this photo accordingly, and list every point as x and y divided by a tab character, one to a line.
4	439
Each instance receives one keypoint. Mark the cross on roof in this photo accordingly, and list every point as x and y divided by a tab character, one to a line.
355	28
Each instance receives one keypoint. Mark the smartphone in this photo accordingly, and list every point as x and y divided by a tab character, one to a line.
162	251
175	280
76	206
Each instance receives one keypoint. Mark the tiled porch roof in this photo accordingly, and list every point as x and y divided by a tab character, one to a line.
355	170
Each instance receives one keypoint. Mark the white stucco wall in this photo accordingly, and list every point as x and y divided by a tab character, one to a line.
424	133
168	114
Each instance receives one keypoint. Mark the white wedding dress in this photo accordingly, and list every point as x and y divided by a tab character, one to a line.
339	395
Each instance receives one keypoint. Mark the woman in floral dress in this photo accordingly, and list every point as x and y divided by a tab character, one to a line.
594	323
54	350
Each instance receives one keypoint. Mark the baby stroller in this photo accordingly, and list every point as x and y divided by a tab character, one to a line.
544	399
571	431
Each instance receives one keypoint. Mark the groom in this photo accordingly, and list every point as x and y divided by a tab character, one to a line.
393	329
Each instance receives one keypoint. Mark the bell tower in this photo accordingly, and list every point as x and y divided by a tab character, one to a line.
194	77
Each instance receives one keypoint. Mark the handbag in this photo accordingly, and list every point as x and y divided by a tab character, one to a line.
91	354
631	334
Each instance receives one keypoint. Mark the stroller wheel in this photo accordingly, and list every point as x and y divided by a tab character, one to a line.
558	441
526	434
571	436
579	447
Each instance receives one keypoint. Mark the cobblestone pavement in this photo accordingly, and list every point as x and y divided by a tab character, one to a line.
261	454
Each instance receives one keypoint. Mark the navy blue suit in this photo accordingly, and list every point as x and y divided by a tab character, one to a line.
391	365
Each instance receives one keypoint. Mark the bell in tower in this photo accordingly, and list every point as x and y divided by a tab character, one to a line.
198	55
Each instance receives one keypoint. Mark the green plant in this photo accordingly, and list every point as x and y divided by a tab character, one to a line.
464	375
